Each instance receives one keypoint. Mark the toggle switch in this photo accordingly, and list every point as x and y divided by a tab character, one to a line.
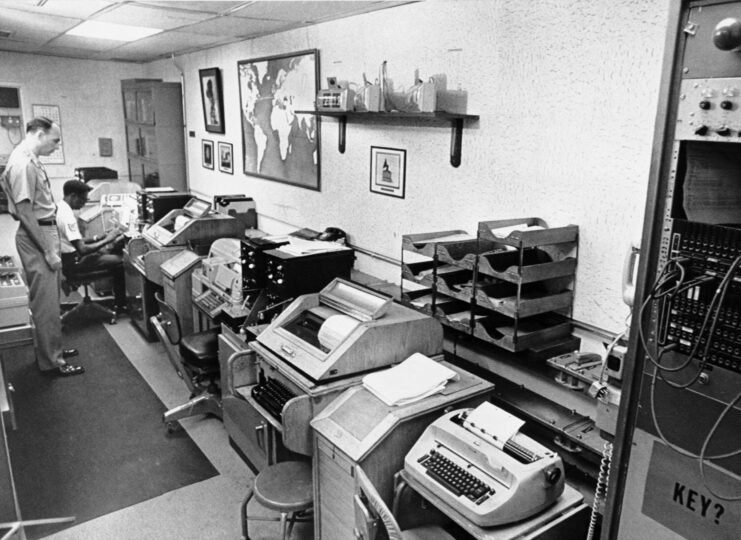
702	130
724	131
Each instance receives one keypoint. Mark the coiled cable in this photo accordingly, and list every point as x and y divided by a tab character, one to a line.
600	492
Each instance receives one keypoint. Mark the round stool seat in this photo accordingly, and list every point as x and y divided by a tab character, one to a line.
285	487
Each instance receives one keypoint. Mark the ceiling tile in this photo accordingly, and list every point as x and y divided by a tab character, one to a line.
18	46
66	8
163	44
299	11
236	27
85	43
150	16
214	7
34	27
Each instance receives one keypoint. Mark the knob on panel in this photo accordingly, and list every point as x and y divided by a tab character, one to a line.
727	34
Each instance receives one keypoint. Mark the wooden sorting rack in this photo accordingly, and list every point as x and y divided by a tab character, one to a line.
511	284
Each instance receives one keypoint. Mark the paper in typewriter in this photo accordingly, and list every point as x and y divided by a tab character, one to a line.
415	378
493	421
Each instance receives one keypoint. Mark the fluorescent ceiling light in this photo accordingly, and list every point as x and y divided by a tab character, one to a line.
112	31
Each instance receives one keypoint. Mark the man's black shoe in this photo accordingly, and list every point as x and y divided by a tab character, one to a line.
69	353
68	370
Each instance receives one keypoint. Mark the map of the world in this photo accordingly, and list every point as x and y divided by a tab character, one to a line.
278	143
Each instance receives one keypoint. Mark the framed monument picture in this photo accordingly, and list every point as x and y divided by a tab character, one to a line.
388	171
279	142
226	157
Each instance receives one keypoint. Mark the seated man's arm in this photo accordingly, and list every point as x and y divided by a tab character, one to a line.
84	246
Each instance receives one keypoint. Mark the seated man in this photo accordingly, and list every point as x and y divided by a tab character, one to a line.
84	254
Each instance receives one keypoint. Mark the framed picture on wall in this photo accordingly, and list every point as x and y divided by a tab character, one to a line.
226	157
279	142
213	102
208	154
388	167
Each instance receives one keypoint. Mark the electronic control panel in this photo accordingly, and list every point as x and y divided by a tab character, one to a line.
710	110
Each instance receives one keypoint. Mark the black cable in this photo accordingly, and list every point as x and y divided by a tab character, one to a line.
702	457
666	441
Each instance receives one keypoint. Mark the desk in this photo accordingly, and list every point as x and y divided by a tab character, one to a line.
567	518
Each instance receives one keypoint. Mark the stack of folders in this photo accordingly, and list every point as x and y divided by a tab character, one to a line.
415	378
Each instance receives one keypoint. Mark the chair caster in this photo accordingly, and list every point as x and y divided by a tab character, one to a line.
172	427
113	321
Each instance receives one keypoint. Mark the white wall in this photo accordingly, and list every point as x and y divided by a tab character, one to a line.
566	92
88	94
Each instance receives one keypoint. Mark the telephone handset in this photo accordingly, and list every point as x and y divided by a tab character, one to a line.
333	234
630	273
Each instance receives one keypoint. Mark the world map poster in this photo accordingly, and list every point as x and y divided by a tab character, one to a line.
277	142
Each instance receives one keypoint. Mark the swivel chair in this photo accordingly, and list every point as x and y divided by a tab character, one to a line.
196	361
371	513
86	278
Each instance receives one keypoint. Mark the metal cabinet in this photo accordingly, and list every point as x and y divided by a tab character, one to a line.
153	112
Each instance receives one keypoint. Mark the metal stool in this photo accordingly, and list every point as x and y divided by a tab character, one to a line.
285	487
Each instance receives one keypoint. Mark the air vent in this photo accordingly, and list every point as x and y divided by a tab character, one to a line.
4	34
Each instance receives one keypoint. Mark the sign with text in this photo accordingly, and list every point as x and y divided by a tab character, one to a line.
677	497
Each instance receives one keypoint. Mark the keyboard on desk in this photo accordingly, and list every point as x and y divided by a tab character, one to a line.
272	395
210	302
455	478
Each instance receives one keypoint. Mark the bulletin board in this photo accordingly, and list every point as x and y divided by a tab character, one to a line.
52	113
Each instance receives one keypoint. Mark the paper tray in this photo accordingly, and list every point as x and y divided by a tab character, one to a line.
419	272
536	266
533	331
424	243
487	230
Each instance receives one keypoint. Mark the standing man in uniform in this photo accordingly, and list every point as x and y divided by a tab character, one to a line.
37	241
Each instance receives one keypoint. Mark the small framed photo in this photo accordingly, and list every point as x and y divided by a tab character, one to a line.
388	171
208	153
226	157
213	103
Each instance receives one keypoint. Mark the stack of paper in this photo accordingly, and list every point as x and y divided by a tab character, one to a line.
415	378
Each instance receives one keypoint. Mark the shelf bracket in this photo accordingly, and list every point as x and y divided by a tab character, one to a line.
456	140
341	134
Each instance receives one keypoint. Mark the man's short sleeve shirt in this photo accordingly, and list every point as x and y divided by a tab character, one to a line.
27	180
67	225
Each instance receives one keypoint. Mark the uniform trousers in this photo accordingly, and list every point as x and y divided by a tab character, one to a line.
43	296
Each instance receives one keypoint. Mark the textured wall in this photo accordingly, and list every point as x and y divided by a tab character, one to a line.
566	91
88	94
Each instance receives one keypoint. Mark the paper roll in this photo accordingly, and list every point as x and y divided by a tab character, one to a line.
335	329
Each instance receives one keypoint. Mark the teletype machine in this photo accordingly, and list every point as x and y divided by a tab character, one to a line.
321	344
193	226
217	289
478	461
677	460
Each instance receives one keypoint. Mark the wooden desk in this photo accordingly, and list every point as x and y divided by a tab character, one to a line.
357	428
567	518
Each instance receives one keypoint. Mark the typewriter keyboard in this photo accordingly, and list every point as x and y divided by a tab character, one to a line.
455	478
210	303
272	395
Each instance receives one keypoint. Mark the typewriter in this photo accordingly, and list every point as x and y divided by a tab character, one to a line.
477	461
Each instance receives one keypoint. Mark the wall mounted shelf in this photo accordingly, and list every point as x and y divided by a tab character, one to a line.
456	121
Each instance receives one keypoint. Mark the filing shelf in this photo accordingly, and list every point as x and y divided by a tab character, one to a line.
510	285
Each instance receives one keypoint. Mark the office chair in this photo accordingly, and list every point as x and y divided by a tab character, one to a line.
195	358
371	513
85	279
284	487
